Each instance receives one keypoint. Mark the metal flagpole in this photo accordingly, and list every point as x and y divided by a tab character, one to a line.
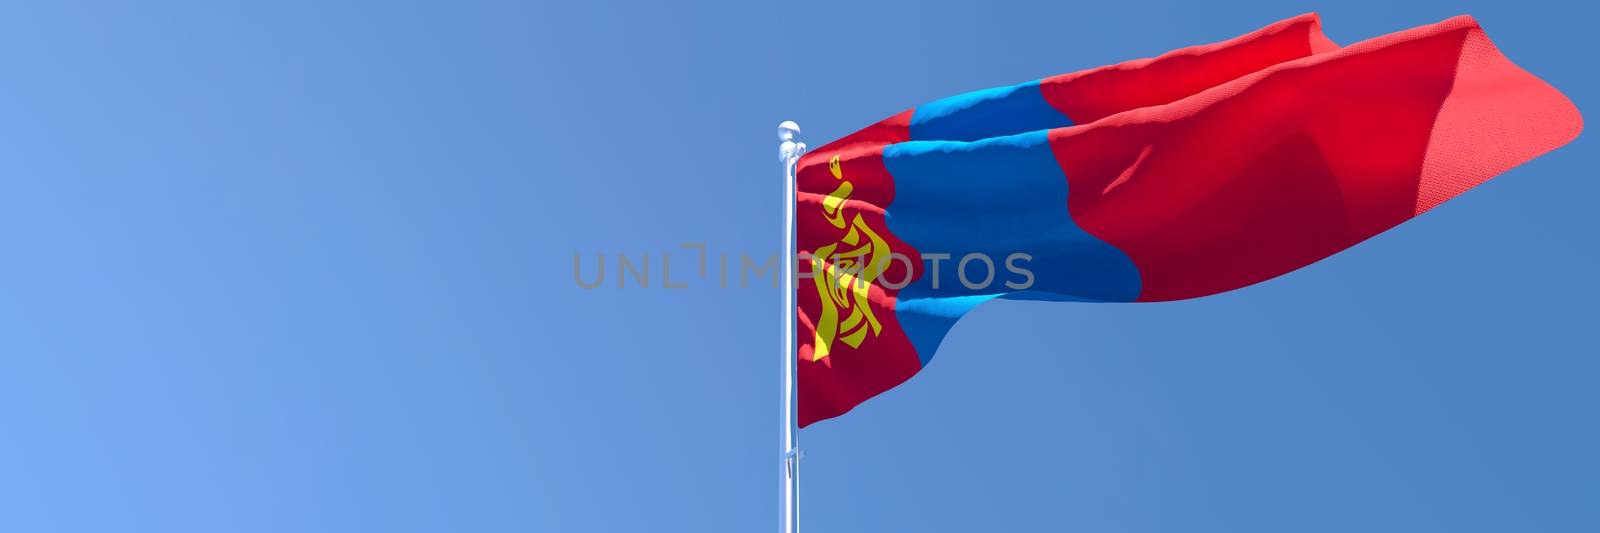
789	152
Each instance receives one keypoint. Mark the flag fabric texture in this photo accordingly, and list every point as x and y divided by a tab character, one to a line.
1200	171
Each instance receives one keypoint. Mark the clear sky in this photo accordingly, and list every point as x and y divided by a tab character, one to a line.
307	266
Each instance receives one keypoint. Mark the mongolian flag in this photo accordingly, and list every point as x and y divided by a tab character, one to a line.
1197	172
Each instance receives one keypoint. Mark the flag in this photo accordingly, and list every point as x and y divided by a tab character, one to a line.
1200	171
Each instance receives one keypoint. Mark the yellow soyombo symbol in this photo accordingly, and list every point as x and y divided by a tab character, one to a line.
843	277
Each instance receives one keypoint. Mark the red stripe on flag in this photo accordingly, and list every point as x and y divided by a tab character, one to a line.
1089	95
1279	169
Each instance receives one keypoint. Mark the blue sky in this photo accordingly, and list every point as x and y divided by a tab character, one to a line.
305	266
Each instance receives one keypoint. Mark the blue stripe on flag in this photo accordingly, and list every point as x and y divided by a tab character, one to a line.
995	197
987	113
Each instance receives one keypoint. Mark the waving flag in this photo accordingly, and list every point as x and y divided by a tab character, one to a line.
1197	172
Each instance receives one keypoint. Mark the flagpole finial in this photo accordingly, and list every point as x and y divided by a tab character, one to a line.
790	150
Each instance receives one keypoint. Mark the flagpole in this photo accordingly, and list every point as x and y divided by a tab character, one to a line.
789	152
